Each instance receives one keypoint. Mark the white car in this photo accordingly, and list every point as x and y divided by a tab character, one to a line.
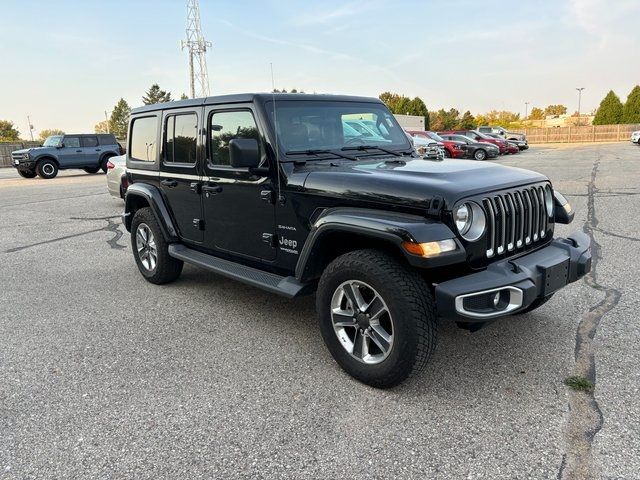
635	137
116	176
427	147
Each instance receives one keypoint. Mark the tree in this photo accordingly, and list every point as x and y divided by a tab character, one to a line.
8	133
536	114
47	132
155	95
555	110
184	97
467	121
444	120
610	110
101	127
402	105
119	120
631	109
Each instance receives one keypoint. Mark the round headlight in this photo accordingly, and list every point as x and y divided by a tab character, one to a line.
548	200
462	216
470	221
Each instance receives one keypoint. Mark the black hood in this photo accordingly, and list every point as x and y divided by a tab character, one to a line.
413	182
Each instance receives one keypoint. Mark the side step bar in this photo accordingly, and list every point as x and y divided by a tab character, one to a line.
287	286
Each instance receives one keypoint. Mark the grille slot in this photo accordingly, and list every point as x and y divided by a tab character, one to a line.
515	219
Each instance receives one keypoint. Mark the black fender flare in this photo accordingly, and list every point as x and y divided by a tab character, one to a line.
46	156
392	227
152	196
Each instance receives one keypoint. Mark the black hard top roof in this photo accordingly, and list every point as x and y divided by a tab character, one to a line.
251	97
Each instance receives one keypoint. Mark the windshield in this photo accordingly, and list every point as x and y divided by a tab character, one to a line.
53	141
325	125
435	136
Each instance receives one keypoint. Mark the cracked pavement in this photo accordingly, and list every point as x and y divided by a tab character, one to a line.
106	376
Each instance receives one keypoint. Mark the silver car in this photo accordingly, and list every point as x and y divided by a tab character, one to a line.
116	178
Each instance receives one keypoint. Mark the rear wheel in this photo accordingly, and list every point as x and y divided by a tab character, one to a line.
47	169
103	163
151	251
92	170
377	317
480	154
27	173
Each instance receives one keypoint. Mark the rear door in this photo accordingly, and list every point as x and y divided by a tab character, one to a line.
180	170
90	149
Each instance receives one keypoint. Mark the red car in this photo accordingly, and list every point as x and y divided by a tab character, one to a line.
481	137
452	149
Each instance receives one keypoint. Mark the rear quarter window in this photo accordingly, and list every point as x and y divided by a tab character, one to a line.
104	139
143	145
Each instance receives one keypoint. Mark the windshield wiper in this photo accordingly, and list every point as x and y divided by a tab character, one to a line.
362	148
320	152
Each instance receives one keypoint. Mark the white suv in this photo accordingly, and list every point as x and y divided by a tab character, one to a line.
635	137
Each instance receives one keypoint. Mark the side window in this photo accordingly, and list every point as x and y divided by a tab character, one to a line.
144	133
181	138
89	141
71	142
106	139
226	126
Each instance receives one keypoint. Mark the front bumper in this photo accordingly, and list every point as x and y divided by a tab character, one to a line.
513	284
23	164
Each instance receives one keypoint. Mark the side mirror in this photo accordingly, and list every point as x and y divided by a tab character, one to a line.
60	146
244	152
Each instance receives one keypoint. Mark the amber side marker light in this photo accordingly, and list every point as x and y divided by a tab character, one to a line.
430	249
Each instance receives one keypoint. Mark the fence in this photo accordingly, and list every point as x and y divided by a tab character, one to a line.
7	148
590	133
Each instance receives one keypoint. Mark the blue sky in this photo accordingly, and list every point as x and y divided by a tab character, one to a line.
65	62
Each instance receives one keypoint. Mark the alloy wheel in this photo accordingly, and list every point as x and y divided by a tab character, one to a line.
146	246
362	322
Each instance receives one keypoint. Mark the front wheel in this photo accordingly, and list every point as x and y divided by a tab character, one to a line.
27	173
47	169
377	317
151	251
480	155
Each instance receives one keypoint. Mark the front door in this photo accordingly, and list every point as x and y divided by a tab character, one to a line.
238	206
180	171
71	153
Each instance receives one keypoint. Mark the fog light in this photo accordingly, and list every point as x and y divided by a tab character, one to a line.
496	299
430	249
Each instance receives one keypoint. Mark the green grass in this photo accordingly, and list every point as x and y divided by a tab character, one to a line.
580	384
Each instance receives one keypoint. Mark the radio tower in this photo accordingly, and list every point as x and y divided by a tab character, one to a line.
197	45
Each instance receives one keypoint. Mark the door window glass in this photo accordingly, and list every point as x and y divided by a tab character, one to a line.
227	126
89	142
72	142
143	139
181	138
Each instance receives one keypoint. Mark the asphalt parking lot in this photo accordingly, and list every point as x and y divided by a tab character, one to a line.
103	375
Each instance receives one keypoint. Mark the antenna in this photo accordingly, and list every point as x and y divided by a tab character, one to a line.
275	129
197	45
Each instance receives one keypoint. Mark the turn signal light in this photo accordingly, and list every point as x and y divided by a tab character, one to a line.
110	165
430	249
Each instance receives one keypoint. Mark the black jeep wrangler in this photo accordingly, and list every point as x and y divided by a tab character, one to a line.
276	192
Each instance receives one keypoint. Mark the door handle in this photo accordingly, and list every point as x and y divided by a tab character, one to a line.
98	150
78	151
211	189
169	183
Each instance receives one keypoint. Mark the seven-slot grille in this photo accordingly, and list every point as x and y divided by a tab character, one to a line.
515	219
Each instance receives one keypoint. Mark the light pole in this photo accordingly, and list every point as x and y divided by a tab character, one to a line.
526	109
106	117
579	89
30	127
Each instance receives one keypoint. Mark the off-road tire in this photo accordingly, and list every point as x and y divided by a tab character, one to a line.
411	306
167	268
480	155
537	303
27	173
92	170
103	163
47	169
